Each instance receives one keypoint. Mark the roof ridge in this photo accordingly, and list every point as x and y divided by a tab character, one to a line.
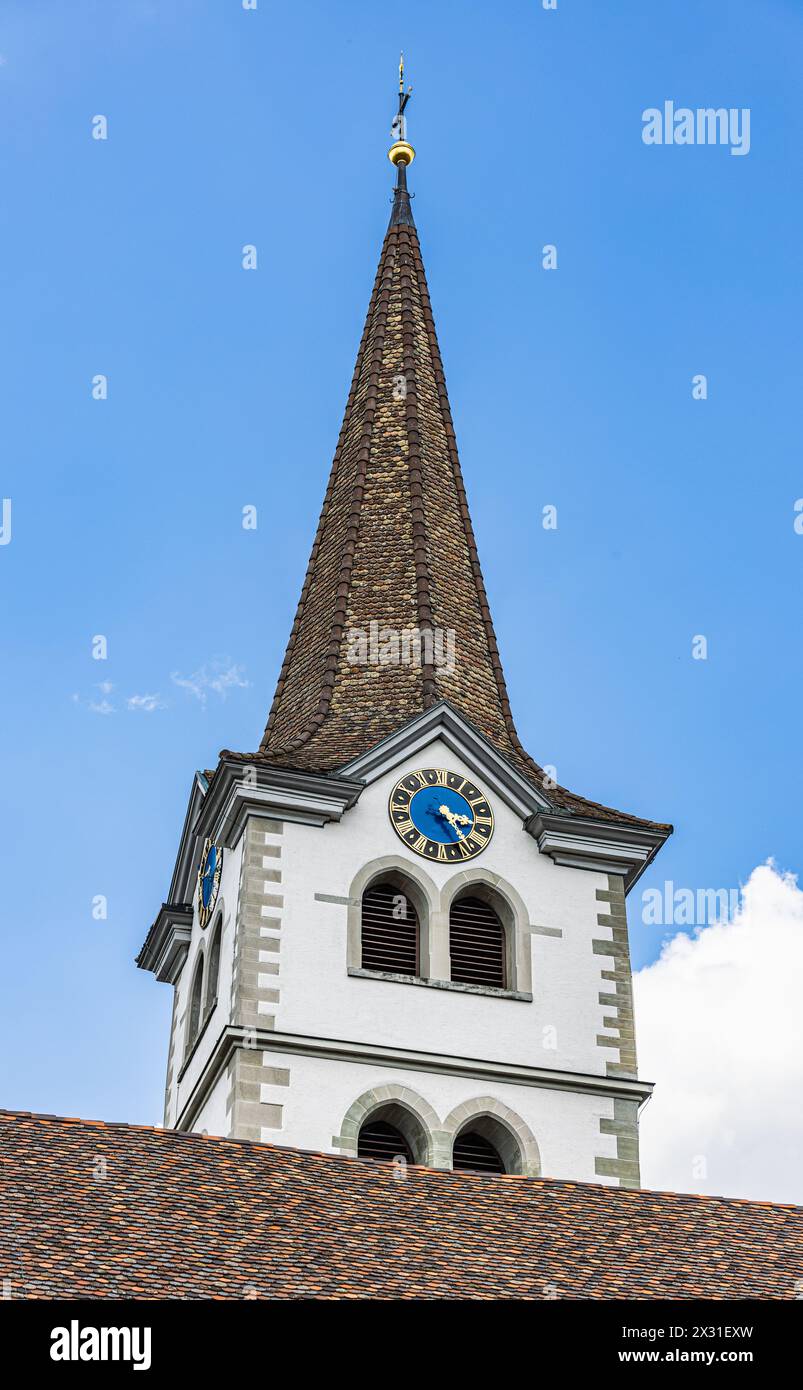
421	553
377	310
460	487
624	1193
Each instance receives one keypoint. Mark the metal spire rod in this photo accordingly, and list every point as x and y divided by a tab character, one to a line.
400	152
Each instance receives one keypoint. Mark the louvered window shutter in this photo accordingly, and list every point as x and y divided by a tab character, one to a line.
389	931
473	1153
383	1142
476	943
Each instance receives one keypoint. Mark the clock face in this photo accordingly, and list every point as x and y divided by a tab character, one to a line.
441	815
208	880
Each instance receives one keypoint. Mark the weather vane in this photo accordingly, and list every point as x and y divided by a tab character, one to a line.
400	152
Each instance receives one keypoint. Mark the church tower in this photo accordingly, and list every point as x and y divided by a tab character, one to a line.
388	932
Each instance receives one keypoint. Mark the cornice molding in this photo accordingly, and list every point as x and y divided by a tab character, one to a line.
606	846
344	1050
462	738
243	789
239	789
167	942
186	866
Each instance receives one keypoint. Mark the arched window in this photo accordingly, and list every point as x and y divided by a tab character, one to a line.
382	1141
196	995
477	942
486	1143
213	967
473	1153
389	931
392	1131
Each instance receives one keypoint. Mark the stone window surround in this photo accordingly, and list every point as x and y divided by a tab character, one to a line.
193	1046
214	939
491	991
191	1036
433	905
432	1140
207	1006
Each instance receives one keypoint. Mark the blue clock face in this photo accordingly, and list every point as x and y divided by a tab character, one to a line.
208	876
444	825
441	815
208	880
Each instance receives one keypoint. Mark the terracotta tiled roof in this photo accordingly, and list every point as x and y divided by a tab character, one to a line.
184	1216
394	547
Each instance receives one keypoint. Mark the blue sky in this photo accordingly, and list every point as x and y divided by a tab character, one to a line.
226	388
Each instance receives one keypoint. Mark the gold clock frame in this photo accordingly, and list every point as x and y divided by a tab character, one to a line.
470	843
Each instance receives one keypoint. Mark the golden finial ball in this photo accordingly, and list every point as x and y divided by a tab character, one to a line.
401	153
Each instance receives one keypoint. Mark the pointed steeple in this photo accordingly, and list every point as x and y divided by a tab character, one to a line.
394	562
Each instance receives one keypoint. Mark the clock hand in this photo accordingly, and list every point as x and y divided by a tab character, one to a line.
453	817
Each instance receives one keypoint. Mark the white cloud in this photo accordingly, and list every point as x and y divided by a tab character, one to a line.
217	676
103	706
719	1029
145	703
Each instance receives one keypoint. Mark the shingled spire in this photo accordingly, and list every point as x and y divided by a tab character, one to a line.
394	563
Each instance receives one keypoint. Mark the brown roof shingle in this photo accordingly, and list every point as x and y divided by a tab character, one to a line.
185	1216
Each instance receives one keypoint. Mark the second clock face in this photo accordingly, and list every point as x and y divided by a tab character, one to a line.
441	815
208	881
